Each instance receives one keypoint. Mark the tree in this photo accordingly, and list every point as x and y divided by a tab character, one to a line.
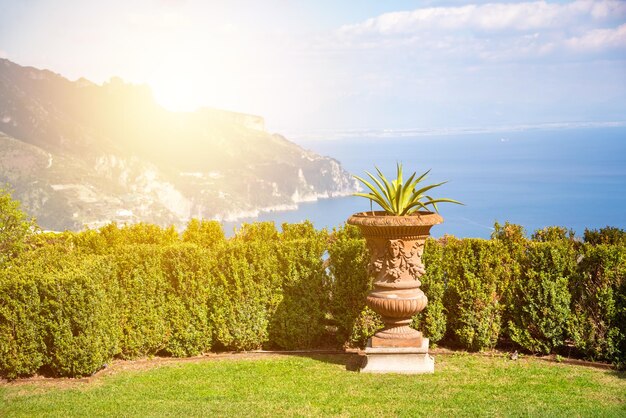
15	226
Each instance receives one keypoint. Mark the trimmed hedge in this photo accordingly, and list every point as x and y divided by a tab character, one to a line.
539	299
349	259
186	268
55	314
246	284
598	325
300	319
479	273
433	320
71	302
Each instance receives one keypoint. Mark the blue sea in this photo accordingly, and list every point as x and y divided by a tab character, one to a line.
574	178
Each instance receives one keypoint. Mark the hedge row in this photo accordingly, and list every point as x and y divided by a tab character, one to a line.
550	293
74	301
541	294
78	299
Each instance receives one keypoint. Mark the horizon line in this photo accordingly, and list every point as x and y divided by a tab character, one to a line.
329	134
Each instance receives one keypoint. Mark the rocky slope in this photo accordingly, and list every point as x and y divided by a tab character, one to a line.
80	155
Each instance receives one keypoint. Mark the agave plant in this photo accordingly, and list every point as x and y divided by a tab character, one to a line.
399	197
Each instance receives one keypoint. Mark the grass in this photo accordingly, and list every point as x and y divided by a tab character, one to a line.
320	385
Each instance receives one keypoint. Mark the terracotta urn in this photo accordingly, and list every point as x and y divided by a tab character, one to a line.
396	245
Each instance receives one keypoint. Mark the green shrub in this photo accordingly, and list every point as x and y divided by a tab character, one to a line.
300	318
553	233
48	238
598	325
80	326
164	299
239	324
141	300
510	234
366	323
607	235
348	268
108	239
246	291
186	268
432	321
258	231
136	234
63	320
22	346
206	234
479	272
538	301
15	227
89	241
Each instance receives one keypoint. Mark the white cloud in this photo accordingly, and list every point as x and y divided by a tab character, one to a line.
3	54
599	39
490	17
495	32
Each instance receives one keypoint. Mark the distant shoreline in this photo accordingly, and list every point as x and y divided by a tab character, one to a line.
337	134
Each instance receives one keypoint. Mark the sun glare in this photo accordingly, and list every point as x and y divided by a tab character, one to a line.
176	95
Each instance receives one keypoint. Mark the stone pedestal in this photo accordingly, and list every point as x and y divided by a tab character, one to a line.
405	360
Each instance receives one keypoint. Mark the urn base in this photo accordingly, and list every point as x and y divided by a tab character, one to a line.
377	342
404	360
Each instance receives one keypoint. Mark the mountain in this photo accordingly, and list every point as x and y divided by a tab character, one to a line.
78	154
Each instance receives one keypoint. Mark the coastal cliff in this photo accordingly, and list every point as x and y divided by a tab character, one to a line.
78	154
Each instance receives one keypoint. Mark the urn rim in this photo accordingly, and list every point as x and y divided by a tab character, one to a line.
382	219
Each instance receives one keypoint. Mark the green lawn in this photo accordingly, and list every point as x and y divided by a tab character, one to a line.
320	385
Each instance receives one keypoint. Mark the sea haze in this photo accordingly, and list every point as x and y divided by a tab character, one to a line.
536	178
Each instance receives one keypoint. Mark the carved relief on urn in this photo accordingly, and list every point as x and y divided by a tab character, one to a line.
396	245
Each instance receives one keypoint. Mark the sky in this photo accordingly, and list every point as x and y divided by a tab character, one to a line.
324	65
